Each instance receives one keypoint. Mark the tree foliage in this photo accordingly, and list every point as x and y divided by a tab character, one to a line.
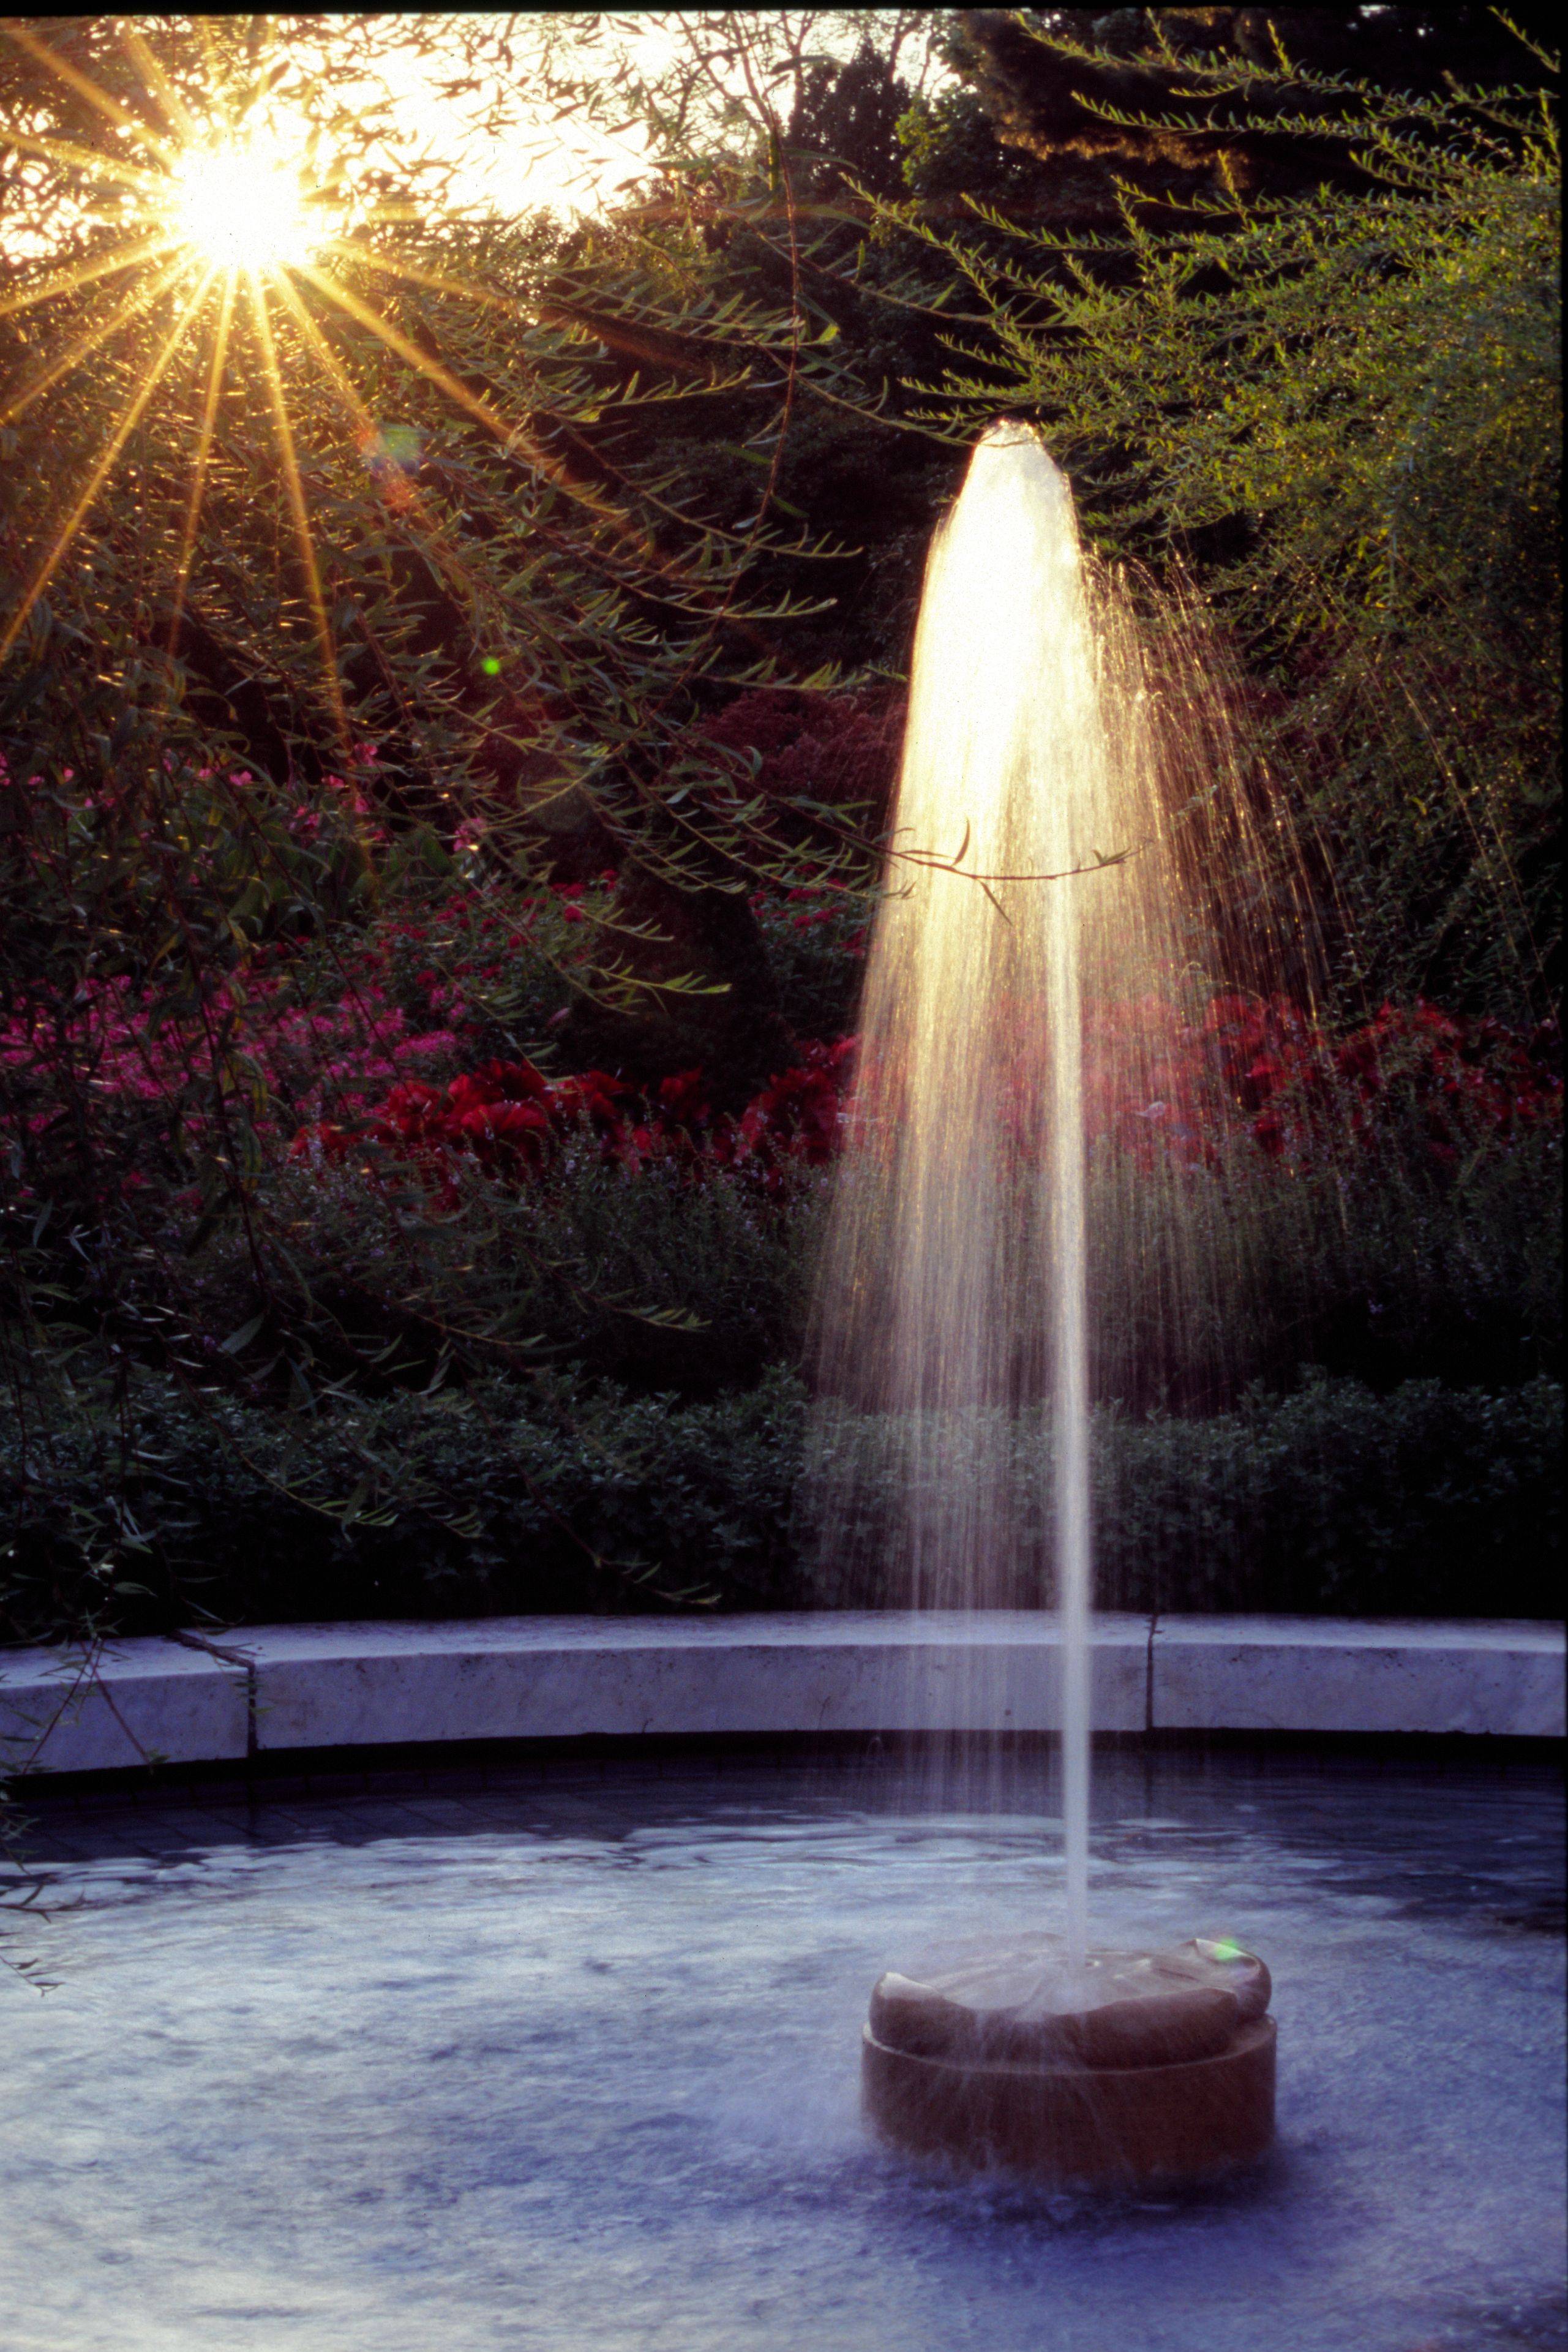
1339	410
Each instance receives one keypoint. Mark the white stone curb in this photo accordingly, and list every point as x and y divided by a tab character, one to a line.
1304	1673
61	1711
272	1688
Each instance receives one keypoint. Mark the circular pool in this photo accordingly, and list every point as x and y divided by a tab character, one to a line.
566	2058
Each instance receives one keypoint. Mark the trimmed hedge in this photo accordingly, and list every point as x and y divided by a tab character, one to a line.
1429	1501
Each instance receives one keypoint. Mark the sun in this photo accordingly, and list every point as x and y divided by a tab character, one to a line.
238	218
243	206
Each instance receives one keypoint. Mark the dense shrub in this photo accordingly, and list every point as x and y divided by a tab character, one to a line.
560	1495
188	1506
668	1274
1386	1205
816	943
1429	1501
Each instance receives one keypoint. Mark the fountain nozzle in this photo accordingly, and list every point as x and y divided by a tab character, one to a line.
1142	2069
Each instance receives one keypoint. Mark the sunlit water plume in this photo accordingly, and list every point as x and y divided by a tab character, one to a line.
1035	945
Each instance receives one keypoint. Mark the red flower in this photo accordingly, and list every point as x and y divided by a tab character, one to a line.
684	1096
515	1081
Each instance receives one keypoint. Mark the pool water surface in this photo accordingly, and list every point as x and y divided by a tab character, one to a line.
565	2059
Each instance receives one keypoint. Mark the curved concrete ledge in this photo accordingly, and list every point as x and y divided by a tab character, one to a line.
271	1688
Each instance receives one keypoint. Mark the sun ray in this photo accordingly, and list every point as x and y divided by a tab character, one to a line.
515	439
84	159
416	512
297	508
176	113
99	99
415	508
331	365
537	454
87	271
203	453
140	299
96	479
209	47
267	26
439	282
510	436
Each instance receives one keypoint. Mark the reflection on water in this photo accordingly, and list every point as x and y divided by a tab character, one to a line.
568	2062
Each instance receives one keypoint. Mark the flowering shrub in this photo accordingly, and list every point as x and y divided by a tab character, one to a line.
1167	1086
508	1117
842	749
815	940
292	1030
128	1046
406	1020
483	965
1261	1068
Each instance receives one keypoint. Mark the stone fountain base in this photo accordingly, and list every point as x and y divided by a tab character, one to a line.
1149	2070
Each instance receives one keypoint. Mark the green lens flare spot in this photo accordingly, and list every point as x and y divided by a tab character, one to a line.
490	666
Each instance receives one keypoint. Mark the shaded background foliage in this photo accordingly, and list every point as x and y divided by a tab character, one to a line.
595	775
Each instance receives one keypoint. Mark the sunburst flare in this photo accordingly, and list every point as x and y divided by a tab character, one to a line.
205	219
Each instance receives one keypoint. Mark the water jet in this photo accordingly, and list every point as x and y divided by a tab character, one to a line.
1032	881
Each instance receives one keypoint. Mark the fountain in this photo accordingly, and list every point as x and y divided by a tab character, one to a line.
1035	879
